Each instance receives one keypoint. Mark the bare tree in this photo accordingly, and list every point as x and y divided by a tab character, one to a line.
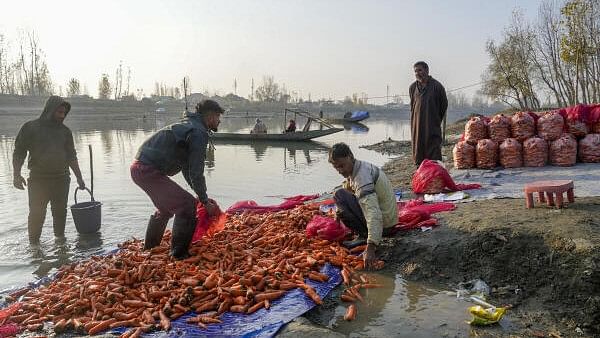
104	87
268	91
73	88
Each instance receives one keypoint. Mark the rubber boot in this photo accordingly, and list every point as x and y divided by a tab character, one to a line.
358	241
183	230
155	231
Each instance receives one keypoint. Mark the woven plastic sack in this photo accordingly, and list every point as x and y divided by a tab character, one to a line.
432	178
206	226
522	125
511	153
475	130
486	154
577	119
589	148
499	128
563	152
535	152
594	119
326	228
464	155
550	126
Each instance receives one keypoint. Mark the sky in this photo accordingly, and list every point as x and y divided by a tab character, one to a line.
327	48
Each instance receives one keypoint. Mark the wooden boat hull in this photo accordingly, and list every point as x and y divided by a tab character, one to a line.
290	137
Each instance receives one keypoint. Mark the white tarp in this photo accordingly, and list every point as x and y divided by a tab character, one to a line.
509	183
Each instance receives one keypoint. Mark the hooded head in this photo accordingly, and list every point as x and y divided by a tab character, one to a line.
56	109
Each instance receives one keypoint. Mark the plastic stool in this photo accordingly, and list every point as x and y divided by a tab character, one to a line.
549	188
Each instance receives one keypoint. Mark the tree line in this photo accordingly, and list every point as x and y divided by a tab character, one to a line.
553	61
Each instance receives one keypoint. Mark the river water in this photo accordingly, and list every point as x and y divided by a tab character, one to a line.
264	172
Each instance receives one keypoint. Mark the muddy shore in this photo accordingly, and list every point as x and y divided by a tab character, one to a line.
544	262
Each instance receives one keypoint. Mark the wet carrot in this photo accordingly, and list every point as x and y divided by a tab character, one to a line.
268	296
256	307
165	322
318	277
102	326
136	303
88	326
347	298
350	313
346	276
358	249
237	308
370	285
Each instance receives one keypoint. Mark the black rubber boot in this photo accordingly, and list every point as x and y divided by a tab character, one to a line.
183	230
155	231
358	241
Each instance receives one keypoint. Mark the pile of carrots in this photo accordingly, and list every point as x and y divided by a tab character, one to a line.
253	261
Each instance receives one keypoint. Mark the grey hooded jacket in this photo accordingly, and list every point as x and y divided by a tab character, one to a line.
49	143
179	147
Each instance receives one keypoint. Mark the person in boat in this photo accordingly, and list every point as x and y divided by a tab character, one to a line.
51	153
259	127
366	203
428	105
180	147
291	127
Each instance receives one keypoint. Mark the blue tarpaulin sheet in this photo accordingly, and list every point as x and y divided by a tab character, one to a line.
262	323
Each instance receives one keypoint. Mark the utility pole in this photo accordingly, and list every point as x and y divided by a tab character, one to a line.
234	86
252	91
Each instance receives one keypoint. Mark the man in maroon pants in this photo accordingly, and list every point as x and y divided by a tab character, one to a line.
178	147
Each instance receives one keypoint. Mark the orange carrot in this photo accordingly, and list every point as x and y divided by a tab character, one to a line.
102	326
350	313
165	322
255	307
268	296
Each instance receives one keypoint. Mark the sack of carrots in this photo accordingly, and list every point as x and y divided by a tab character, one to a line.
243	268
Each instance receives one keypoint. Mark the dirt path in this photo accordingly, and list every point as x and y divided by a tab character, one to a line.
544	262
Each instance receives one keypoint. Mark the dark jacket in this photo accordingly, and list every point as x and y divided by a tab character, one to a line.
49	143
179	147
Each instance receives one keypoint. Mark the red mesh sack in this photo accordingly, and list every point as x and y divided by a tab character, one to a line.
589	148
550	126
511	153
432	178
577	118
464	155
535	152
522	126
206	226
486	154
563	152
475	130
595	119
326	228
499	128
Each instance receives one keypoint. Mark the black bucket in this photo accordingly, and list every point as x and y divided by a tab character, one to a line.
86	215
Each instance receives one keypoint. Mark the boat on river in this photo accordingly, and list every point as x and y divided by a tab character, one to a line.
288	137
353	117
305	134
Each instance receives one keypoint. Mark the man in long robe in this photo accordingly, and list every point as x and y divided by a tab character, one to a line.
428	105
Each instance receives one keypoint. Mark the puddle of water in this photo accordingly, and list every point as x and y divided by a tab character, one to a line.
403	309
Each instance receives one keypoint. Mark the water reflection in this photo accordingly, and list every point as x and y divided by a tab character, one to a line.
356	127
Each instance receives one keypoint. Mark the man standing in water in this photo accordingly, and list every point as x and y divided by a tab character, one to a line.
366	203
51	152
428	104
178	147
